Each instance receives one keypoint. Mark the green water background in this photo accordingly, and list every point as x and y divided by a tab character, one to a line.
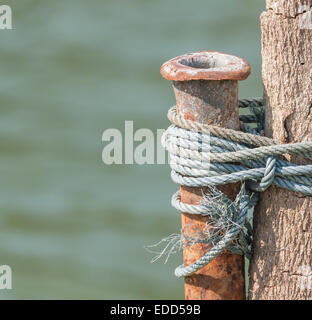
70	226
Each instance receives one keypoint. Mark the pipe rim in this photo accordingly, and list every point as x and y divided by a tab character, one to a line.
206	65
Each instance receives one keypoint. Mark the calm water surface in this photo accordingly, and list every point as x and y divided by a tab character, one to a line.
70	226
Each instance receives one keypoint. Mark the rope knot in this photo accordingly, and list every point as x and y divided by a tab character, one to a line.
203	155
269	174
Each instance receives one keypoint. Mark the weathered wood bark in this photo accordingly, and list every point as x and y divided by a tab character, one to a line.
283	219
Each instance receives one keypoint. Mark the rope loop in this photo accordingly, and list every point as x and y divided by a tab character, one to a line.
269	174
207	156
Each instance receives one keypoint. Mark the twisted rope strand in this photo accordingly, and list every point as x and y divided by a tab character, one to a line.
227	134
205	156
225	242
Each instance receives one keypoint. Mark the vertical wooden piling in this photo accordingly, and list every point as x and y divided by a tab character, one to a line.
206	90
282	255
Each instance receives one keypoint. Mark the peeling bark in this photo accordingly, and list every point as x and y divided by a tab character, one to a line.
288	8
282	219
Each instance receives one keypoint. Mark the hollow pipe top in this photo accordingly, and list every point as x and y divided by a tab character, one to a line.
206	65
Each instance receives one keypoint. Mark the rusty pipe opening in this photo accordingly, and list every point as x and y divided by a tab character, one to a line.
204	61
205	65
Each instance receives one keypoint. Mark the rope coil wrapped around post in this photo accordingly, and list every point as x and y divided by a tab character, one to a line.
207	156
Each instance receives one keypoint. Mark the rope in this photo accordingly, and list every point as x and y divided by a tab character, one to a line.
207	156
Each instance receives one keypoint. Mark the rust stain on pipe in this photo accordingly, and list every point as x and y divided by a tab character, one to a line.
205	84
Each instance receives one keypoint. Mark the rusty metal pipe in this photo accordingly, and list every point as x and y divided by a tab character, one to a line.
205	84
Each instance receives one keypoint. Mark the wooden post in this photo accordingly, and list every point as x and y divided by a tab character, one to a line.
206	90
282	254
